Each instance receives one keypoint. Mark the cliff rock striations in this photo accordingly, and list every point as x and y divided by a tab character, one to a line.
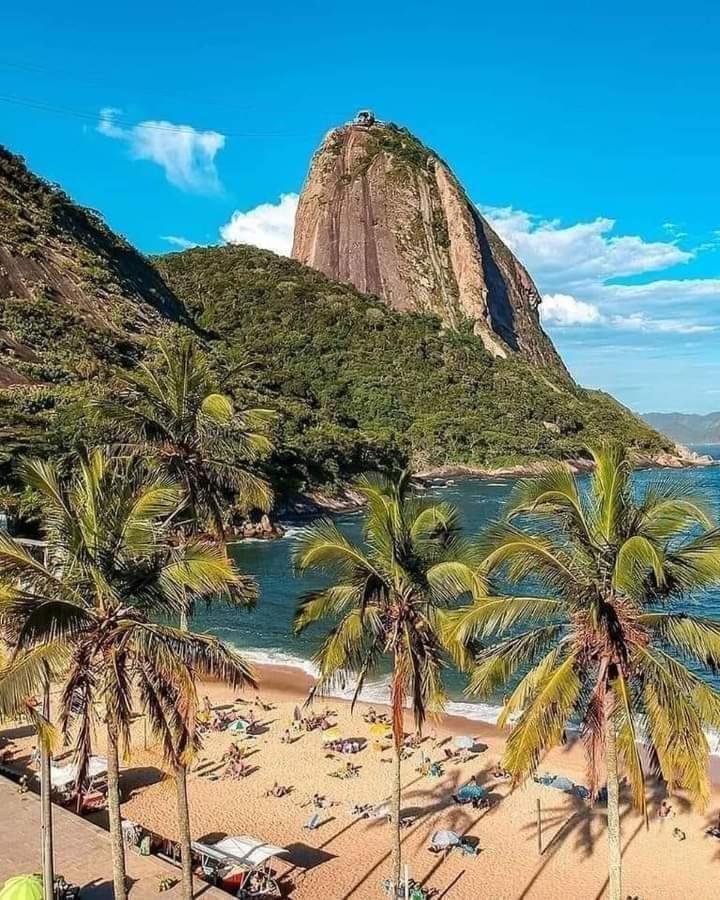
382	212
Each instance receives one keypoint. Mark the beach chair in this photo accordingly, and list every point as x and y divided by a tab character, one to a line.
313	822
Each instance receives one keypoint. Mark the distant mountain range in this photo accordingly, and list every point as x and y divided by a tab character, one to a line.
687	428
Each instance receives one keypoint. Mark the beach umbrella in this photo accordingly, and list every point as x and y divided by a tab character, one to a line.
379	729
561	783
444	839
22	887
238	725
464	742
332	734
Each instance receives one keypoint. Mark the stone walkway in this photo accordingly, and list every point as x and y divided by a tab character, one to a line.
82	852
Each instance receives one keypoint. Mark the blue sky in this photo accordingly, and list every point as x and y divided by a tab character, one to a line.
588	137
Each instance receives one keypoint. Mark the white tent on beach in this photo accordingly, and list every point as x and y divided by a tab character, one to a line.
63	777
243	851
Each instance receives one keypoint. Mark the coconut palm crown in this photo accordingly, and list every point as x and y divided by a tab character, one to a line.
387	602
168	410
607	646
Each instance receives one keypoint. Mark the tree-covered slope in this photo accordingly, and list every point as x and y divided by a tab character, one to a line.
358	381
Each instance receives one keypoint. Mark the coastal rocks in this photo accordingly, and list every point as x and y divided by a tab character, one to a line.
381	211
261	529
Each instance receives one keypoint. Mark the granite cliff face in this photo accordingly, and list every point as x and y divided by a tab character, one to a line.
381	211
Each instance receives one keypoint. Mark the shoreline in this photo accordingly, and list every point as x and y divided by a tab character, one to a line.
294	683
314	504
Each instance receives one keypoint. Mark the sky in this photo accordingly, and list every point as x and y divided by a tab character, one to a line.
588	137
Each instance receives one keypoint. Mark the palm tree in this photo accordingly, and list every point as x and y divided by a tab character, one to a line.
113	573
605	646
22	677
169	411
387	603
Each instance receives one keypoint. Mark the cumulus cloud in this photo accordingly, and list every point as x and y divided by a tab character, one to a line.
562	309
565	311
269	225
577	255
580	269
186	155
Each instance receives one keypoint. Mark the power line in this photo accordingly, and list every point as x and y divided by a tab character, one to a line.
125	123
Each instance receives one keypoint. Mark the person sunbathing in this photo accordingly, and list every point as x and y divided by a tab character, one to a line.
278	790
500	773
665	811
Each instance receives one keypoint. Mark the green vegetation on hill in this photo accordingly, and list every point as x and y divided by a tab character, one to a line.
357	385
360	384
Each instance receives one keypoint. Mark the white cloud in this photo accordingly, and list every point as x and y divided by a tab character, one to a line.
641	322
178	241
562	309
575	256
269	225
578	267
186	155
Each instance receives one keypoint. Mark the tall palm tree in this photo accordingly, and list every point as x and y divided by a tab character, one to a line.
114	571
169	410
386	604
605	646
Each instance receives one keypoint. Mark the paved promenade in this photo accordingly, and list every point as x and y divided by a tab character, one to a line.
82	851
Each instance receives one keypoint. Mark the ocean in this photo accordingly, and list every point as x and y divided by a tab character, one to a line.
265	634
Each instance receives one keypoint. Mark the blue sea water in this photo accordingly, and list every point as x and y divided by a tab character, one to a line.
265	634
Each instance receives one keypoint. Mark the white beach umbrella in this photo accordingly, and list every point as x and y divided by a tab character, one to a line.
464	742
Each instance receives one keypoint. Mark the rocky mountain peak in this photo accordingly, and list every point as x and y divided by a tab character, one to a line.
381	211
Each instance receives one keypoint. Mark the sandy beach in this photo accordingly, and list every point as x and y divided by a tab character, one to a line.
346	859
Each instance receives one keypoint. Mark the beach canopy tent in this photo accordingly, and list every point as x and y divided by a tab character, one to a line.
242	851
22	887
443	839
64	777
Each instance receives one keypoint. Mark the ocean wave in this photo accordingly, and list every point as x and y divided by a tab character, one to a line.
379	692
273	657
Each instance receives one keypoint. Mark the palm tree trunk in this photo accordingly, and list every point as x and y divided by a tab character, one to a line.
183	807
117	845
397	796
48	867
183	814
398	702
614	845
